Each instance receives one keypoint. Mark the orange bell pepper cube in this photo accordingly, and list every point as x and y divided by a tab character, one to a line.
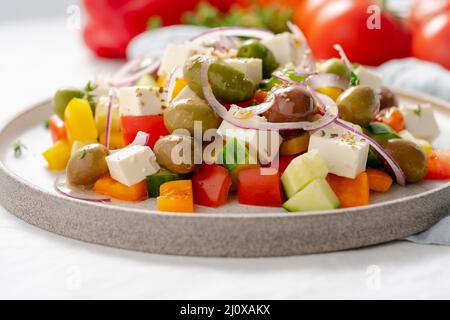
110	187
379	180
176	196
57	128
351	192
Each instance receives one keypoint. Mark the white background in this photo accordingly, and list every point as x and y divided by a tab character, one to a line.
38	55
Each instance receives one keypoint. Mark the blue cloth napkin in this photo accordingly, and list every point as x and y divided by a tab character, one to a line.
430	78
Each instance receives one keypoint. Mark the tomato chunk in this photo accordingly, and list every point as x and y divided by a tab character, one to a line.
211	184
260	187
282	163
439	165
153	125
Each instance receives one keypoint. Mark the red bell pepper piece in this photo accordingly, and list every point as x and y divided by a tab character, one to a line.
153	125
257	189
211	184
57	128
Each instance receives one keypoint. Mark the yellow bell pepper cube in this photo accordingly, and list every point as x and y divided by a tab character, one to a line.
180	83
116	140
80	121
101	113
58	155
332	92
295	145
176	196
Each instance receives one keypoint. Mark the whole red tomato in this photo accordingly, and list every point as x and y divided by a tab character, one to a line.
305	10
432	41
113	23
346	22
424	10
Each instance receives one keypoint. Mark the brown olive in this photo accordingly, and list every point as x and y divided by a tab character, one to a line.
292	104
87	165
359	105
176	153
387	99
411	158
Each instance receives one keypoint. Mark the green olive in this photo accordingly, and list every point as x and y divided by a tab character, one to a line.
255	49
411	158
359	105
337	67
62	98
387	99
228	84
175	153
87	165
183	114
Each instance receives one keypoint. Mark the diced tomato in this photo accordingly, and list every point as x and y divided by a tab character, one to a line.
57	128
439	165
153	125
283	163
211	184
259	188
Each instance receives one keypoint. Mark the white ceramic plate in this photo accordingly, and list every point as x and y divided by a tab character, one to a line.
232	230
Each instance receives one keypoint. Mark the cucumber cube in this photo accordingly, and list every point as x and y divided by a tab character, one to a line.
302	170
316	196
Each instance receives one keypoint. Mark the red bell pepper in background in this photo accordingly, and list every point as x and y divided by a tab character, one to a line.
257	189
153	125
57	128
283	162
113	23
211	184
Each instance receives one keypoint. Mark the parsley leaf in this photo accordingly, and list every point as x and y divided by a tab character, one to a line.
418	110
82	154
354	80
47	124
17	148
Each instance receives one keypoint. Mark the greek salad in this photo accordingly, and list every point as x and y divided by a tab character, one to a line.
244	111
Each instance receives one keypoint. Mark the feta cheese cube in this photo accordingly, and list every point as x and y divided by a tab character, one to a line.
132	164
252	68
263	145
140	101
344	153
175	55
283	47
420	121
369	78
186	93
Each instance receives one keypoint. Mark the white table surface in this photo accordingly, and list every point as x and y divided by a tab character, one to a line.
37	57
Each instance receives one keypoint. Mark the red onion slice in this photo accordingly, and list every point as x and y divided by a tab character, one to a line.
131	71
141	139
398	172
232	32
330	114
174	75
326	80
109	118
64	188
343	56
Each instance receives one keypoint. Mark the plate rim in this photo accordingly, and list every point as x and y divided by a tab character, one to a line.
220	215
